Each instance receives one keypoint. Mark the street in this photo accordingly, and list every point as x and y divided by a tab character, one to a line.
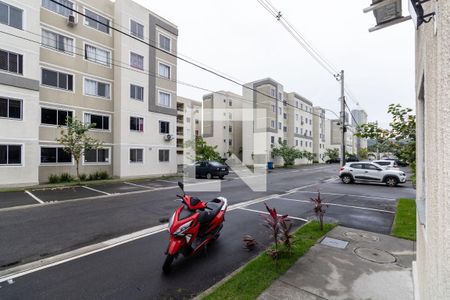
120	229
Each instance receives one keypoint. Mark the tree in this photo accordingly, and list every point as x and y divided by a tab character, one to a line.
289	154
332	153
203	151
363	153
308	155
76	140
372	131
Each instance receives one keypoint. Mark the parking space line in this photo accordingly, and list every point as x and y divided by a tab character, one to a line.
266	213
162	180
34	197
95	190
351	195
340	205
139	185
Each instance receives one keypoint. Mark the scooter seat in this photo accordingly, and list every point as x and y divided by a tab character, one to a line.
212	209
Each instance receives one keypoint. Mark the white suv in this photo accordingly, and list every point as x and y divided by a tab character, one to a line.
368	171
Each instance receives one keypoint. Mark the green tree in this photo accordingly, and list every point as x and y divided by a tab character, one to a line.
203	151
332	153
308	155
363	153
289	154
76	140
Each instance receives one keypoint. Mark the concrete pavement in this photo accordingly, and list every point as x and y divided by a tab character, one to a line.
370	266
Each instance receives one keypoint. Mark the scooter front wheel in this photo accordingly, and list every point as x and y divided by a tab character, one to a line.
168	263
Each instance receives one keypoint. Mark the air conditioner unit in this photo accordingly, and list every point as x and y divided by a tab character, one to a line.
168	137
71	21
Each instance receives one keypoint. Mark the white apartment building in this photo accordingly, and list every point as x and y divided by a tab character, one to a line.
360	118
319	141
19	92
222	122
333	136
189	124
60	64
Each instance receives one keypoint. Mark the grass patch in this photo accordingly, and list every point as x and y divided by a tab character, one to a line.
405	219
259	274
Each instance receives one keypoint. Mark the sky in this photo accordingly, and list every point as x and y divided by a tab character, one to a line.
242	40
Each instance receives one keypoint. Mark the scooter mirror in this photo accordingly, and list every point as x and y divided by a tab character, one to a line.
181	185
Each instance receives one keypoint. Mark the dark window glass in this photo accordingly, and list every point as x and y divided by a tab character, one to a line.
132	91
15	109
90	156
356	166
136	155
70	82
48	155
3	108
49	77
137	29
3	13
13	63
15	17
49	116
370	167
63	156
98	120
163	155
133	123
106	123
20	64
164	127
103	24
62	117
3	154
102	89
62	81
14	154
4	60
103	155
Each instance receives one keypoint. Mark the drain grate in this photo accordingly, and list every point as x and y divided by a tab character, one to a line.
334	243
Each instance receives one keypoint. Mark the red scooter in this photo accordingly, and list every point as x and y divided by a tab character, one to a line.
193	225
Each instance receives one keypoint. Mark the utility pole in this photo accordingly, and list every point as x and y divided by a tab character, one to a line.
341	78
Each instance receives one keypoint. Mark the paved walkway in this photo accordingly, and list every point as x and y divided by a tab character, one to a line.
370	266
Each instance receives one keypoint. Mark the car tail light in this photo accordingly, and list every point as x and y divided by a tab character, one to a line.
341	169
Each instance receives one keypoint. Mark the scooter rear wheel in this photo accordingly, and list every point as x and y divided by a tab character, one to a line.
168	263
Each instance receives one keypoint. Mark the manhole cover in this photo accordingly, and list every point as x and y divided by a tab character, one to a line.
375	255
334	243
360	236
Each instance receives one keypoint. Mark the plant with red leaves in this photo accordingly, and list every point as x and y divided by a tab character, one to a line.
278	225
319	209
286	236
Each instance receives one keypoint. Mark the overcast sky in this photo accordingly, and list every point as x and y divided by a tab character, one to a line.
240	38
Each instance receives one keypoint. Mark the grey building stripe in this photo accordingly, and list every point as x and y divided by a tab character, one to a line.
255	86
20	82
153	107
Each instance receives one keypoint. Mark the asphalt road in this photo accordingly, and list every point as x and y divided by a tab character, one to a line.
132	270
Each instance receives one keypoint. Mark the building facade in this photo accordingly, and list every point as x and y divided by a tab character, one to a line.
189	124
80	67
432	268
319	141
359	118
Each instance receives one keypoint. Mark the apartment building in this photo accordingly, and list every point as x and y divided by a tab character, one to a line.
319	141
333	136
359	118
265	96
19	92
189	124
298	128
222	123
80	67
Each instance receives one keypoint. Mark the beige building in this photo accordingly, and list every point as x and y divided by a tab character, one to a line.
222	122
86	70
319	141
360	118
432	268
333	136
189	124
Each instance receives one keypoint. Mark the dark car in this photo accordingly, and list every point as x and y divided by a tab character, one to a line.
210	169
333	160
351	159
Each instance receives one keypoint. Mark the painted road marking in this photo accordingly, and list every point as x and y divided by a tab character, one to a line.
351	195
137	185
95	190
266	213
340	205
34	197
168	181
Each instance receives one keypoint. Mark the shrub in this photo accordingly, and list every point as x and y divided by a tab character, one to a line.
99	176
53	178
83	177
65	177
280	227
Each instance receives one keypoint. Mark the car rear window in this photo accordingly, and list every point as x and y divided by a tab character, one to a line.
356	166
215	164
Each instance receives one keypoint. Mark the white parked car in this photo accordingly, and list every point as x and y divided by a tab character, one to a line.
386	164
369	171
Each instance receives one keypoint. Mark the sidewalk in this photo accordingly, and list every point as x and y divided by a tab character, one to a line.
371	266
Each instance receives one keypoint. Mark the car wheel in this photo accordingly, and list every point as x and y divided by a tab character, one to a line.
347	179
221	176
208	175
391	181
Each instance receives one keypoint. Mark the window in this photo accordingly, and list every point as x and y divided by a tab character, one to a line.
230	142
164	99
137	29
57	41
164	127
164	71
272	139
272	123
296	130
296	104
197	121
136	155
296	117
280	95
273	108
96	88
53	155
230	103
97	55
296	142
230	129
285	116
279	125
136	92
272	92
57	8
164	155
57	79
279	110
230	116
309	121
164	42
98	121
97	156
137	124
10	155
301	143
96	21
11	62
10	108
10	15
136	61
55	116
370	167
285	128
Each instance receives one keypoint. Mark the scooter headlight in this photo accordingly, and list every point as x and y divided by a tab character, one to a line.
182	228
